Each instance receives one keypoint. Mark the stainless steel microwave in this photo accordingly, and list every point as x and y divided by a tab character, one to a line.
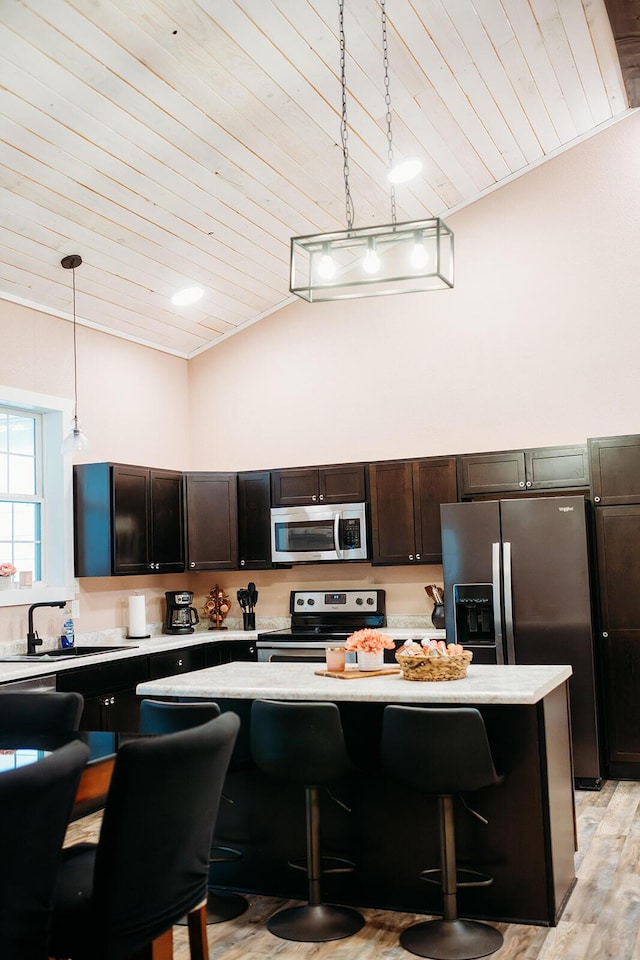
318	533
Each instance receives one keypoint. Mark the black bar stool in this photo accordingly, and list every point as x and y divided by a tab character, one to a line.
304	743
444	752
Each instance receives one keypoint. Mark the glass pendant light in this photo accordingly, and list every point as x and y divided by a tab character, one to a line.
75	441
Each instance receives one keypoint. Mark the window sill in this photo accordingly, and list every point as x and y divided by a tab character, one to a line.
25	596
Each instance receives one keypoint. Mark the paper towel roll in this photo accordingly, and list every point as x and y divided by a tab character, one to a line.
137	617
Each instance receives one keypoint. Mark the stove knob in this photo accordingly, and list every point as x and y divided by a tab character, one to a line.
311	601
370	601
300	601
359	601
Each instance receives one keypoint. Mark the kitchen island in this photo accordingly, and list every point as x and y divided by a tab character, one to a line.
391	833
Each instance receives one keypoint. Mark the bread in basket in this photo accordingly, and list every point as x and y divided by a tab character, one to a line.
433	660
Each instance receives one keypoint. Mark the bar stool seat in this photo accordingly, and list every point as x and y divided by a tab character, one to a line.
304	743
443	752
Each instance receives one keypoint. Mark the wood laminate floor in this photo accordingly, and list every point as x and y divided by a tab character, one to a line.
601	920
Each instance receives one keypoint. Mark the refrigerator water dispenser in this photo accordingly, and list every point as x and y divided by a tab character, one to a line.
474	620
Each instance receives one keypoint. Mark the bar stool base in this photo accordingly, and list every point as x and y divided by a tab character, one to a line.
451	939
315	923
221	907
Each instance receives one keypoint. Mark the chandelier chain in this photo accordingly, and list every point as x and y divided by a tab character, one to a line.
387	100
344	129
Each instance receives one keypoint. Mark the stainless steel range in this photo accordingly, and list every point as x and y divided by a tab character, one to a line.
321	619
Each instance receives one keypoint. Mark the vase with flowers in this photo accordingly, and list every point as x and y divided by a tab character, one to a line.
7	573
369	646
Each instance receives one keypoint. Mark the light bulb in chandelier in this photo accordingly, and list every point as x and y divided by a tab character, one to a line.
326	265
371	261
75	441
419	256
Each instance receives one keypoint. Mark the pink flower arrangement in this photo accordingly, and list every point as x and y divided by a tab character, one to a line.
7	569
369	641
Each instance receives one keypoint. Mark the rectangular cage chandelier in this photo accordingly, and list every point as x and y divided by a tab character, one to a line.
409	257
373	261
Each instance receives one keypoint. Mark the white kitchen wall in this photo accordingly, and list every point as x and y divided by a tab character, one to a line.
537	344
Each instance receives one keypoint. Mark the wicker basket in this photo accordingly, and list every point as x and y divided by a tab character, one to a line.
435	668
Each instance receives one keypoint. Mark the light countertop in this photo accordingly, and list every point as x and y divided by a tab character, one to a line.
132	648
298	681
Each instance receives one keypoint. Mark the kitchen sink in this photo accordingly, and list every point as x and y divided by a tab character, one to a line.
65	654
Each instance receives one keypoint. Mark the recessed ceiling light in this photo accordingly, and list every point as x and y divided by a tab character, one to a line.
405	170
189	295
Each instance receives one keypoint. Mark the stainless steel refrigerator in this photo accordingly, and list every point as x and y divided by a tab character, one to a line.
517	589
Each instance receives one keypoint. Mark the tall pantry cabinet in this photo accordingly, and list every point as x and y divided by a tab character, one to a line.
615	477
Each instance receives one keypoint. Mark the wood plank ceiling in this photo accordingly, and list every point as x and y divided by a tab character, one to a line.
179	142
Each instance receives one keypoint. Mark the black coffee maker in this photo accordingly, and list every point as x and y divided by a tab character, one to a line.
181	615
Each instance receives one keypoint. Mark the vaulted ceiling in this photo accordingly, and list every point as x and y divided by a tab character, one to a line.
181	142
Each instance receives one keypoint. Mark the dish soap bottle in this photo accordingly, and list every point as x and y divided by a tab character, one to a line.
67	638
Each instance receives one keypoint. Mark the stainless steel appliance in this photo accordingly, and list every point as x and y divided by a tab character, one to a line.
517	590
319	532
181	615
321	619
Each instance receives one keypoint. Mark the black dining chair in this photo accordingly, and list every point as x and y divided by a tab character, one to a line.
120	898
36	801
39	711
159	716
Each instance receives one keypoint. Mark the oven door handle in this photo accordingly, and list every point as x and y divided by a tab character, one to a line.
336	535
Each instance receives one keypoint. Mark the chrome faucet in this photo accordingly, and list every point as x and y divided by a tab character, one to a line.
33	640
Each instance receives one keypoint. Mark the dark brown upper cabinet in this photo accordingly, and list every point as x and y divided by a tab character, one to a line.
521	471
301	486
615	469
127	520
405	508
254	528
211	506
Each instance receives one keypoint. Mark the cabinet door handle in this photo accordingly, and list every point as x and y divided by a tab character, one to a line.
193	564
596	499
321	497
521	484
418	556
314	498
242	563
179	663
410	556
605	634
529	483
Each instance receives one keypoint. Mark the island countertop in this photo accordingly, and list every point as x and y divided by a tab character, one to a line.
484	684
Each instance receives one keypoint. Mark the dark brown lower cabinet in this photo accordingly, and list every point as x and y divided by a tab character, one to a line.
228	651
109	691
618	546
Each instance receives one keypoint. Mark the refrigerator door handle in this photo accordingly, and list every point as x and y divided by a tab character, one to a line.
497	616
508	602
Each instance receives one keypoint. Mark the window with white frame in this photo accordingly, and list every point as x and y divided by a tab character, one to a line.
36	504
21	493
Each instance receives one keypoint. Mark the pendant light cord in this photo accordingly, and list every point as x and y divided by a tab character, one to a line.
71	262
75	354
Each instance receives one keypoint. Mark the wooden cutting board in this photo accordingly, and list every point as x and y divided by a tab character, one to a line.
356	674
